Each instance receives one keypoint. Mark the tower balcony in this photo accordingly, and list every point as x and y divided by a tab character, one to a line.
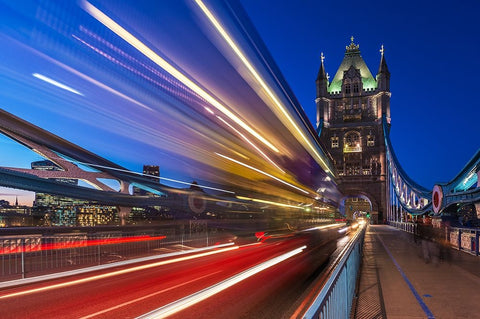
352	148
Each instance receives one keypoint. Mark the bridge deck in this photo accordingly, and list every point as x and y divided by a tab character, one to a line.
396	281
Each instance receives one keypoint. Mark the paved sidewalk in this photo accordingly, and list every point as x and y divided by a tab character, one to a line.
396	281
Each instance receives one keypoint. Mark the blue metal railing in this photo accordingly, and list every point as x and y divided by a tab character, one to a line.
335	298
460	238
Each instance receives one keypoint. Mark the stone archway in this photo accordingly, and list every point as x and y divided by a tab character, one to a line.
347	208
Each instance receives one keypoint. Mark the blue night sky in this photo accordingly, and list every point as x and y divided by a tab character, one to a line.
431	49
431	52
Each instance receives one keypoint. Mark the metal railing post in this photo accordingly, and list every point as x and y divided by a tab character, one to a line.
22	242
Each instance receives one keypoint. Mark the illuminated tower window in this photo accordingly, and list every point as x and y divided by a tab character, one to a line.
370	139
334	141
352	142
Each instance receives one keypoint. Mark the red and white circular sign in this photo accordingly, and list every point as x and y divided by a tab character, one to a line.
196	203
437	198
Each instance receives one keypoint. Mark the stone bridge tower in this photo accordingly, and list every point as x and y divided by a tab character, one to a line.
349	122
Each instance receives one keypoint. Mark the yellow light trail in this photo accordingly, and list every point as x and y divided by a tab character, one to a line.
262	172
255	74
269	202
149	53
251	143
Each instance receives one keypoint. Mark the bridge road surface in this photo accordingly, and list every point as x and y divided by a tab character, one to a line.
267	294
396	282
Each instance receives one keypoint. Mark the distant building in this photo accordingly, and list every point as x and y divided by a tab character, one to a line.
14	216
153	171
55	210
44	199
350	110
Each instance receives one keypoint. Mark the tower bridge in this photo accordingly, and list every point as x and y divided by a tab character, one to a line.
225	110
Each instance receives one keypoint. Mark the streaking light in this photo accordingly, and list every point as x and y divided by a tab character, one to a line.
323	227
268	202
80	243
149	53
57	84
262	172
255	74
160	178
209	110
148	296
197	297
115	273
251	143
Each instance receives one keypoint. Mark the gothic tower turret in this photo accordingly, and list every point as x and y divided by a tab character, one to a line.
350	112
383	85
322	86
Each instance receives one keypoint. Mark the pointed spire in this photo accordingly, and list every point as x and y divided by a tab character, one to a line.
383	63
383	75
322	79
321	73
16	201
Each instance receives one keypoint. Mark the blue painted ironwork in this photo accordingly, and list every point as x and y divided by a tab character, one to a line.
335	298
405	196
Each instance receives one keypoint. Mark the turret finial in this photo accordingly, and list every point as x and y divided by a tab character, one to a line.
352	46
328	77
322	57
382	50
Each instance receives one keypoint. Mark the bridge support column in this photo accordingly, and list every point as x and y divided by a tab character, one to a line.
123	213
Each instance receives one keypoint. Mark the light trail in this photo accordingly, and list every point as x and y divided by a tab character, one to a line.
259	79
324	227
31	280
251	143
149	53
115	273
148	296
197	297
141	174
55	83
262	172
76	244
268	202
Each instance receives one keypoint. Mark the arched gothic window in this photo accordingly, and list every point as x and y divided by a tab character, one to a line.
352	142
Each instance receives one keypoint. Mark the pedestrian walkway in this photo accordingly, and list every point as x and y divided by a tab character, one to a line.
396	281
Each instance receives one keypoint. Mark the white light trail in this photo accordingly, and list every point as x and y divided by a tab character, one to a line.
263	84
268	202
148	296
115	273
197	297
149	53
30	280
262	172
158	177
251	143
55	83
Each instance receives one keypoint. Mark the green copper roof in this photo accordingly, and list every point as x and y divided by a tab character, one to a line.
352	57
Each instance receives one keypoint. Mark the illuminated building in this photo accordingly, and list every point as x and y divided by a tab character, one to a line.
148	213
350	110
46	200
55	210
